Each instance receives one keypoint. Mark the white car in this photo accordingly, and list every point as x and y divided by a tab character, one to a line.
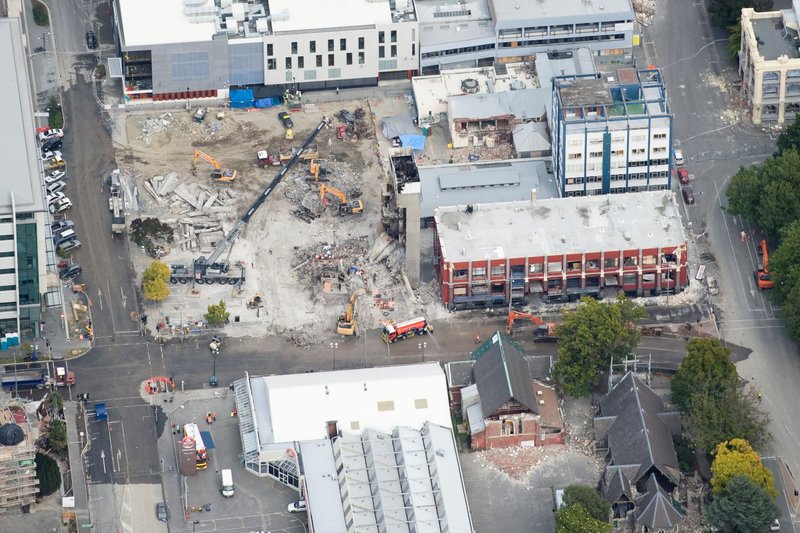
58	175
51	155
679	157
776	526
53	198
50	134
61	206
297	507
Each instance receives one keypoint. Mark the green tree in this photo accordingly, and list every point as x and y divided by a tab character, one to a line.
587	497
576	519
784	266
217	314
55	402
706	367
48	474
157	270
57	434
734	41
737	457
589	337
789	139
727	414
725	13
155	282
743	508
55	118
40	17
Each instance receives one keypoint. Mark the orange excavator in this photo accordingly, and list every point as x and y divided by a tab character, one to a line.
762	275
545	331
346	205
219	174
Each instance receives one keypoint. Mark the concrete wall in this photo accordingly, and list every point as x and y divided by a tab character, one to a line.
492	436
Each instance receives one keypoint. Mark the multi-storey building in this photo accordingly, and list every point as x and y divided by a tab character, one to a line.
199	48
611	134
560	249
18	483
23	213
769	64
470	33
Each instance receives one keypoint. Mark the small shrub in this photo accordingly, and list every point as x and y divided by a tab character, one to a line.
40	17
48	474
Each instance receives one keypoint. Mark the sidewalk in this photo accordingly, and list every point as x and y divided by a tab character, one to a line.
77	470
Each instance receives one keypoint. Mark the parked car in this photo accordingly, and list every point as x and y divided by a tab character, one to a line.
54	133
53	188
713	286
776	526
64	236
61	225
297	507
678	155
50	155
688	194
71	272
285	119
60	206
55	197
91	40
68	246
161	512
683	175
52	144
58	175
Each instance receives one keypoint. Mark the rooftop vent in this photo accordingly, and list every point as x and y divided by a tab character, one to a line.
470	86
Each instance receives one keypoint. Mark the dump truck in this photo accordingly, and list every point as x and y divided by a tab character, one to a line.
64	377
264	159
395	331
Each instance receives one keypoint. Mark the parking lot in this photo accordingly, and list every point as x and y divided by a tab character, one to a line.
259	504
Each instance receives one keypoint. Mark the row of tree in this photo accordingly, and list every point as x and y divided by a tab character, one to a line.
768	195
155	286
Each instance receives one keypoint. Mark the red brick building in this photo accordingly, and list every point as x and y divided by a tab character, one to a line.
560	249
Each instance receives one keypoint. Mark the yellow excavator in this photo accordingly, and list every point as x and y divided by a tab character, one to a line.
346	323
346	206
317	168
219	174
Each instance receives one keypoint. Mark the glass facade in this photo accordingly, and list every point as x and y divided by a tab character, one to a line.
28	283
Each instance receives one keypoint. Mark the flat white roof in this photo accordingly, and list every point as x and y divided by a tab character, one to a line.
557	226
321	487
513	10
300	405
152	22
298	15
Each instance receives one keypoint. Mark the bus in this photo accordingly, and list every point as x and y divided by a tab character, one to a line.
201	454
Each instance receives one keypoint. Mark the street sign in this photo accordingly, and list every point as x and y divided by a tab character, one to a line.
27	462
700	272
86	526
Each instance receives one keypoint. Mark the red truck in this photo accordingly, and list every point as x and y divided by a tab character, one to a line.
395	331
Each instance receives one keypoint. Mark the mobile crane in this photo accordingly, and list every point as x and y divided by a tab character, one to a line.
210	269
346	324
545	331
346	206
219	173
762	275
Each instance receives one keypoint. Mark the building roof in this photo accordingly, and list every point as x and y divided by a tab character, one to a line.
297	407
444	22
539	365
654	510
153	22
302	15
459	373
321	489
581	61
531	137
501	374
774	38
626	92
18	148
510	11
617	485
483	181
518	104
637	436
559	226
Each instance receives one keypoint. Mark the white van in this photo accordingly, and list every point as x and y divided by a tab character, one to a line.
227	483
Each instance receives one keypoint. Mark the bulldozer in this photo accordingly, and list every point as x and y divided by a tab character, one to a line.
346	323
545	331
346	206
256	302
219	174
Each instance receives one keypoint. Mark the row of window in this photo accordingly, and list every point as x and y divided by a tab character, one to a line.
457	51
580	180
545	42
575	140
312	45
561	29
571	266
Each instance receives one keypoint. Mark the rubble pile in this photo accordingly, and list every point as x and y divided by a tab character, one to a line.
517	461
183	125
644	10
358	124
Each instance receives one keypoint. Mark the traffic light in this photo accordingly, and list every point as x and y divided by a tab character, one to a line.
144	319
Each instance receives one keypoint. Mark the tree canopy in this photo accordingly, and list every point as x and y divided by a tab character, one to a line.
576	519
784	267
743	508
217	313
589	337
48	474
587	497
724	13
155	281
737	458
706	367
57	434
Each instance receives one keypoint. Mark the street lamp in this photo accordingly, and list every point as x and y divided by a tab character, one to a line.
422	347
334	345
44	40
213	380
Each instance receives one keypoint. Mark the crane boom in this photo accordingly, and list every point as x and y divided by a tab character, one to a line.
237	228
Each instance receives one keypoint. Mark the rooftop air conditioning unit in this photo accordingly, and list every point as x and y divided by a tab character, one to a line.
470	86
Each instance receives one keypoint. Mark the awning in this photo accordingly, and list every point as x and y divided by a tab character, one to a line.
207	440
612	280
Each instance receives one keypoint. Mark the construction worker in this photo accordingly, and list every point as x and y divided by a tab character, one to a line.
477	339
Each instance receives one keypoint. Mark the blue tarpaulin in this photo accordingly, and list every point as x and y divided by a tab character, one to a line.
241	98
266	102
207	440
416	142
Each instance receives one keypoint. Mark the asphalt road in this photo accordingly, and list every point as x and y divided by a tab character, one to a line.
701	128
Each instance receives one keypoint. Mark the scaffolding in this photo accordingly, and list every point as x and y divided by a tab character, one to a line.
18	483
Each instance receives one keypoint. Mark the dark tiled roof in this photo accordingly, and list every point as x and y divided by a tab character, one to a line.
655	510
539	365
617	486
501	374
459	373
637	435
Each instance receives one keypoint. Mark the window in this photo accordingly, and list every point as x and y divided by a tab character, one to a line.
413	49
354	425
361	58
288	62
421	403
381	37
360	43
612	262
478	272
381	51
319	60
349	58
629	279
535	267
460	273
294	48
394	50
330	60
595	154
393	36
386	406
334	73
330	45
660	136
498	270
649	260
312	47
269	49
575	156
301	62
272	64
630	262
342	44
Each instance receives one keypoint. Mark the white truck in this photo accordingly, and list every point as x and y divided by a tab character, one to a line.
227	483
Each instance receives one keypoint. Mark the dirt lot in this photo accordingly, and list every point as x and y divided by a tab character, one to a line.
285	250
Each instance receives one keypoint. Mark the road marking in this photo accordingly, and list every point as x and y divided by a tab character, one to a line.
100	297
124	298
777	326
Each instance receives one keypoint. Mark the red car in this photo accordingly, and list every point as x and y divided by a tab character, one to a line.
683	175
